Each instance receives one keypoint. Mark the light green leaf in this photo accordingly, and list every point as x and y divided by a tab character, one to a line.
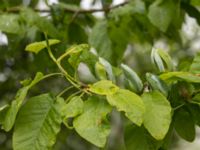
13	109
38	46
91	124
161	13
103	87
130	103
182	76
9	23
196	99
37	124
195	66
73	108
195	2
3	110
100	71
184	125
156	60
157	117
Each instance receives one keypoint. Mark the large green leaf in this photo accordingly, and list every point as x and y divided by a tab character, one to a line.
130	103
161	13
38	46
9	23
157	117
182	76
195	66
91	123
13	109
103	87
38	123
184	125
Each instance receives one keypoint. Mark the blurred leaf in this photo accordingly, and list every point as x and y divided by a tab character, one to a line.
38	46
184	125
182	76
156	60
195	66
73	108
157	117
195	2
90	124
10	23
100	71
13	109
161	13
100	40
130	103
103	87
37	124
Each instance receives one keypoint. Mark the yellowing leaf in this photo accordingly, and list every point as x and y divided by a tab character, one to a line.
38	46
130	103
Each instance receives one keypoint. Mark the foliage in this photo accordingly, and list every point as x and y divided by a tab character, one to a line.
64	101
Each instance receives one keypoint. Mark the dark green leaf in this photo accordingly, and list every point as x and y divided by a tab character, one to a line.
195	66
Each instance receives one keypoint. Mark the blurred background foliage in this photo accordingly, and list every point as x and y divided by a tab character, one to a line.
119	31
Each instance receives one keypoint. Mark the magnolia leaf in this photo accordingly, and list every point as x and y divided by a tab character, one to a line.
182	76
130	103
103	87
184	125
91	124
38	46
37	124
13	109
157	117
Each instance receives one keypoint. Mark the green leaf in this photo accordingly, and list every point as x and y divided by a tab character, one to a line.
184	125
195	66
91	124
3	110
100	40
103	87
157	84
166	58
13	109
38	46
180	76
100	71
37	124
130	103
134	79
73	108
156	60
157	117
9	23
161	13
195	2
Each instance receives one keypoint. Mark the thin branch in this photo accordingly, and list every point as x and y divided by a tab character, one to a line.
69	10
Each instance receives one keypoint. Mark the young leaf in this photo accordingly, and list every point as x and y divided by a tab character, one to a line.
90	124
181	76
130	103
157	117
100	71
157	84
38	46
73	108
161	13
156	60
184	125
134	79
13	109
37	124
103	87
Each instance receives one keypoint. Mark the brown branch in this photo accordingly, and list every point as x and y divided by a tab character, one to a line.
69	10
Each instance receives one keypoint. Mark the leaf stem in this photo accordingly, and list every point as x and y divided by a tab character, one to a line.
179	106
74	94
65	90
